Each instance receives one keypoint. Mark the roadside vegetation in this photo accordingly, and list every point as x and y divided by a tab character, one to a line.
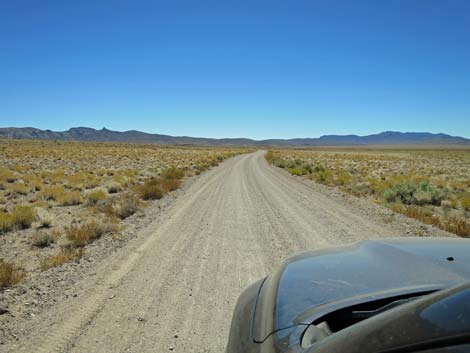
10	274
432	186
63	196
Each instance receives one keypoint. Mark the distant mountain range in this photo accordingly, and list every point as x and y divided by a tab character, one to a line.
105	135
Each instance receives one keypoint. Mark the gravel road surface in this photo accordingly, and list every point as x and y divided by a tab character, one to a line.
175	286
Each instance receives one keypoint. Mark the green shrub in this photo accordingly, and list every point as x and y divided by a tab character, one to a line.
343	178
297	171
401	192
319	168
292	164
280	163
323	176
410	193
307	168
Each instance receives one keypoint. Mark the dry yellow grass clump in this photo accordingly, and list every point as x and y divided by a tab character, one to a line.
155	187
432	186
20	217
10	274
88	232
63	256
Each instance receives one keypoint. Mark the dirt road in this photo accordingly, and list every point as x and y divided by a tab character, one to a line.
175	287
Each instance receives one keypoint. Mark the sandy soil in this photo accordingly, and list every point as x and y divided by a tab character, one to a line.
173	286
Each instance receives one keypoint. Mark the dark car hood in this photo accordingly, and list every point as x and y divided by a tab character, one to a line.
313	283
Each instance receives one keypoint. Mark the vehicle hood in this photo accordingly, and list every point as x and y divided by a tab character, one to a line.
313	283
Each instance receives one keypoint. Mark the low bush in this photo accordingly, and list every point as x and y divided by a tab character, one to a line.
82	180
44	239
20	189
464	200
269	156
10	274
422	214
7	222
201	167
45	219
440	183
402	192
172	173
23	216
170	184
151	189
459	226
96	196
114	188
65	255
410	193
126	206
69	198
457	185
456	225
34	181
281	163
323	176
53	192
7	175
343	179
123	180
86	233
121	207
363	188
297	171
319	168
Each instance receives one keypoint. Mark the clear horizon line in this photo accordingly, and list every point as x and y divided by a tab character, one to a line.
234	137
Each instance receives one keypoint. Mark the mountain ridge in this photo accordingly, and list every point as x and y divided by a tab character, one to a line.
135	136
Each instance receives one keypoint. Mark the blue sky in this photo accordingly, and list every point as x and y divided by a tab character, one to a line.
260	69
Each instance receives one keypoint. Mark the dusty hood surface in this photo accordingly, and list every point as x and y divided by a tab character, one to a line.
314	283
